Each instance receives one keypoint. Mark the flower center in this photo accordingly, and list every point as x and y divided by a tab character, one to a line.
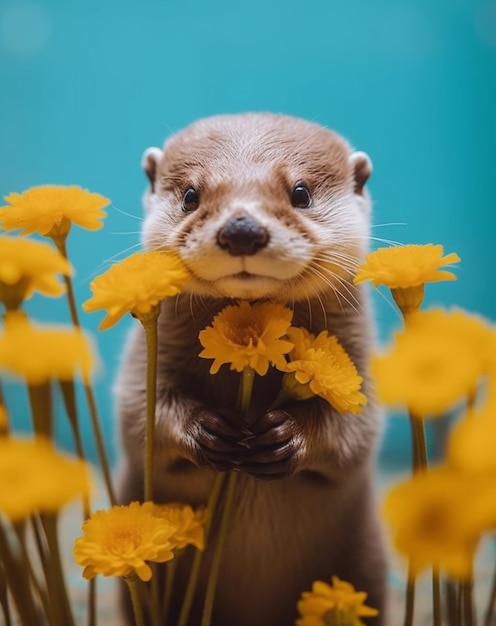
246	334
125	537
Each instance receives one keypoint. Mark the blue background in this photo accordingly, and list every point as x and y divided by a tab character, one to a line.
87	86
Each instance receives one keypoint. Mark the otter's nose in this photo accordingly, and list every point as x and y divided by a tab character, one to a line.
242	235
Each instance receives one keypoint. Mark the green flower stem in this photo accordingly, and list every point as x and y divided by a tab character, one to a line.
244	398
135	600
20	530
451	593
245	390
60	242
150	326
409	599
40	400
18	583
419	442
198	558
69	397
102	455
436	596
420	462
491	606
4	598
170	575
468	605
57	590
219	548
151	591
419	453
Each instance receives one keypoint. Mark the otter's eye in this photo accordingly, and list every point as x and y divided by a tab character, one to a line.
301	197
191	200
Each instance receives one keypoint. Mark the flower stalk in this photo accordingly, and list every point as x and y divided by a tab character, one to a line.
88	389
40	400
149	323
246	387
132	585
198	558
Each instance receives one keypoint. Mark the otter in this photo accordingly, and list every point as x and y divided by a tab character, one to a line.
261	207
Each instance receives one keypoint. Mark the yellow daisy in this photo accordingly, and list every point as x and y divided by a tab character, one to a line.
40	353
406	266
338	603
189	524
248	335
122	541
35	477
435	362
27	266
321	366
136	285
405	270
51	209
436	518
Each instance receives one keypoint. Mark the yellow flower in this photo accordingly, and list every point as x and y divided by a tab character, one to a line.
34	477
188	523
51	209
405	270
436	361
436	518
27	266
136	285
121	541
248	335
320	364
339	600
406	266
472	441
40	353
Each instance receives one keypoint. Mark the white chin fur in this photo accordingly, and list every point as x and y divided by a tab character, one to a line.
246	289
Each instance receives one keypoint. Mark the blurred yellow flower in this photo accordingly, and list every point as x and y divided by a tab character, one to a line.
338	603
320	364
40	353
35	477
188	523
27	266
136	285
472	441
248	335
51	209
121	541
435	362
406	266
437	516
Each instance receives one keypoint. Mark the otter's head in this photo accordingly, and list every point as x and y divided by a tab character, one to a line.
259	206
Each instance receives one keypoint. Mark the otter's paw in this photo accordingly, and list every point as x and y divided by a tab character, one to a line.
273	450
215	437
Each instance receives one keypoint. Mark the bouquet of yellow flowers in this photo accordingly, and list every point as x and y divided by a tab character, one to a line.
440	360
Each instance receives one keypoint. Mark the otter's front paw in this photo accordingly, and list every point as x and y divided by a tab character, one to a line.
216	438
275	447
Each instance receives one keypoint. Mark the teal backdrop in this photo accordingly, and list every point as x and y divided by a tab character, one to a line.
87	86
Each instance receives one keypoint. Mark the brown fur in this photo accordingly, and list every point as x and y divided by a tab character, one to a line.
304	506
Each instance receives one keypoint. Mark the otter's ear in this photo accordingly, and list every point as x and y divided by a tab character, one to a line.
149	163
362	169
